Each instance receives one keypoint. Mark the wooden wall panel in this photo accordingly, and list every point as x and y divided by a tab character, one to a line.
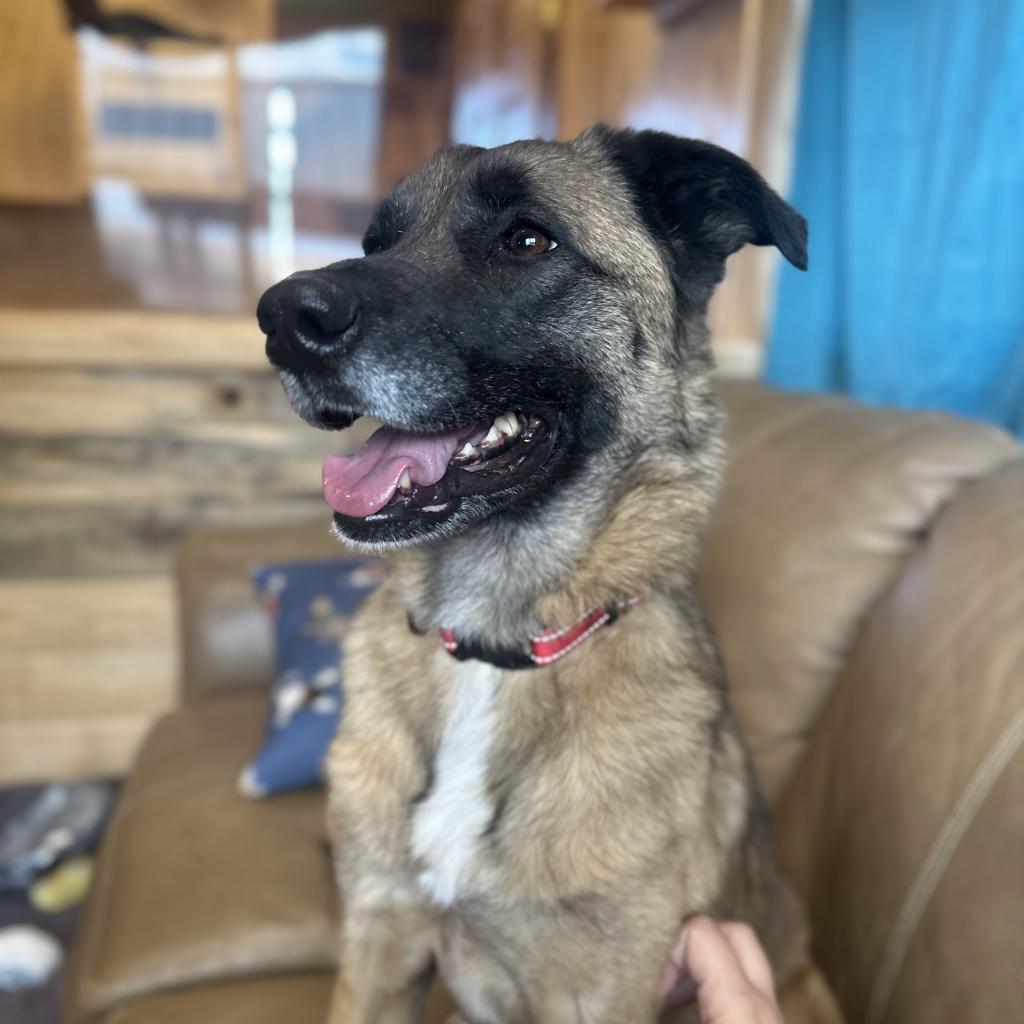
85	666
37	750
43	157
118	433
417	94
88	473
83	337
127	532
184	405
624	67
90	647
233	21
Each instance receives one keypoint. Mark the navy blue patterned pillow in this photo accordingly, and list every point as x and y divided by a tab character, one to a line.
310	605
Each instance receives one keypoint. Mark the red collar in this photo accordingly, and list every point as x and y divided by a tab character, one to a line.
545	649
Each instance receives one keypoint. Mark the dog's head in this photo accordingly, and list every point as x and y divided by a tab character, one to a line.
522	314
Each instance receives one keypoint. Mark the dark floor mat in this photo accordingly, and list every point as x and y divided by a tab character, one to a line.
38	1005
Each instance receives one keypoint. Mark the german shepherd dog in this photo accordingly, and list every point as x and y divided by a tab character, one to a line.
522	795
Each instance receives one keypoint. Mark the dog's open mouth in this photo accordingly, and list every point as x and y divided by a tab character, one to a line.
401	475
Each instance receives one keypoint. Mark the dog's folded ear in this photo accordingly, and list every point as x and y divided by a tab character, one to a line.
700	195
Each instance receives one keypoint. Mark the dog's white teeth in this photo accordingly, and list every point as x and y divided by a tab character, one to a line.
505	427
466	455
405	482
507	424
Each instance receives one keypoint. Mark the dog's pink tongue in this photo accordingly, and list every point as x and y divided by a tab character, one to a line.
361	484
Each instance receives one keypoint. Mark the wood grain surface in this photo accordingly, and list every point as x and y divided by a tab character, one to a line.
119	432
43	159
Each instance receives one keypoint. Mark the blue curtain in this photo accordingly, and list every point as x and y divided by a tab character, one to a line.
910	169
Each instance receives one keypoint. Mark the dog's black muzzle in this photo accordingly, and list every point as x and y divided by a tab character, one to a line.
309	319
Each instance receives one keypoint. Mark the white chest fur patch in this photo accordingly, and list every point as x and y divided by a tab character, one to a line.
448	824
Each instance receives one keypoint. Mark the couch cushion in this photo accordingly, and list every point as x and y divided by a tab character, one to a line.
281	999
824	501
195	881
275	999
903	826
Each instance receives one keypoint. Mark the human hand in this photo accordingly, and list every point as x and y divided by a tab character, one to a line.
725	968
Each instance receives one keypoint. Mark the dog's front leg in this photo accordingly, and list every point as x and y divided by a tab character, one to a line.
386	965
358	998
601	963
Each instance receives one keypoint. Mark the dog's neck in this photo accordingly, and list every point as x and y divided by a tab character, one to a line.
507	580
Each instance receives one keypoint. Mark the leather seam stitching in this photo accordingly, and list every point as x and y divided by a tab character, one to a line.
933	867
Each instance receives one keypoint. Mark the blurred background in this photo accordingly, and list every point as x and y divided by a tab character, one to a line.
165	160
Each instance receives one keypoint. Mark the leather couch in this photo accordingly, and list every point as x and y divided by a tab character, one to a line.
865	575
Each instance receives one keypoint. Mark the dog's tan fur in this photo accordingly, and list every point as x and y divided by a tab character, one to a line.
619	791
601	763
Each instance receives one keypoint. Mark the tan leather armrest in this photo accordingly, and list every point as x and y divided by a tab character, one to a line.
824	502
903	825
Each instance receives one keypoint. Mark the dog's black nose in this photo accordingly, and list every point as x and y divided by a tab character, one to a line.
307	310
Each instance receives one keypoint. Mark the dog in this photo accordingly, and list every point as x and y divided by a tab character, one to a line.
537	776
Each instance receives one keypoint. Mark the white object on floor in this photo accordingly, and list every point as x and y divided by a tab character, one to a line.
28	957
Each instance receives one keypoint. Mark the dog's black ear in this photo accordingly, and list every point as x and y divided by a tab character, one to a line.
698	194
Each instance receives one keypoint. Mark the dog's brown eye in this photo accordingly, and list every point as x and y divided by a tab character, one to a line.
528	241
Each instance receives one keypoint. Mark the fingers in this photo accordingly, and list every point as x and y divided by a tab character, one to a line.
751	956
726	967
676	984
